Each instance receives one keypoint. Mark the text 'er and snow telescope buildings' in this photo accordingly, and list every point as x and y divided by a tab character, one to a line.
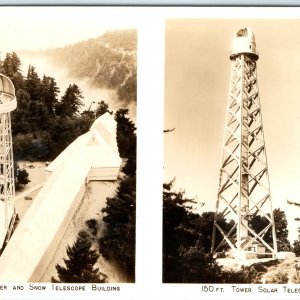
244	190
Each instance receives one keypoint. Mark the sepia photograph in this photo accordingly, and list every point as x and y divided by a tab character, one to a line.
68	101
231	193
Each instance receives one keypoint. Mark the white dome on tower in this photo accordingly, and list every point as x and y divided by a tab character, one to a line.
244	43
8	100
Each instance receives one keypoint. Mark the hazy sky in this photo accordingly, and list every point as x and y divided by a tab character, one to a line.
196	87
35	28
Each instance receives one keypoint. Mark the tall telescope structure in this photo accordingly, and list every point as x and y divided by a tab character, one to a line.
244	190
8	103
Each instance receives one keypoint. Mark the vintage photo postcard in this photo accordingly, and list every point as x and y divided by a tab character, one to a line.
231	152
67	146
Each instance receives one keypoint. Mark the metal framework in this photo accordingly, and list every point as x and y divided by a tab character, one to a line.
244	190
7	179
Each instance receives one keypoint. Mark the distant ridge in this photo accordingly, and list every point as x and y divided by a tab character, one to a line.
108	61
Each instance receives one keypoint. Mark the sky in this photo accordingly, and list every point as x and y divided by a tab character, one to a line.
197	72
39	28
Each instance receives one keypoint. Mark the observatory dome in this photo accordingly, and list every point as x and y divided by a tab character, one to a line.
244	43
8	100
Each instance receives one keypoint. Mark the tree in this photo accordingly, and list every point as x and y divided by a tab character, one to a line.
198	265
186	245
20	116
80	263
63	131
70	102
118	241
102	108
49	93
21	176
259	222
11	68
296	247
33	84
126	140
281	228
126	137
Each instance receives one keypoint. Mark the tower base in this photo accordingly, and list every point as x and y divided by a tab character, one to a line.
243	255
286	255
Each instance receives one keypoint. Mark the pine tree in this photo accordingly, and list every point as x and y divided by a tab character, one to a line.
80	263
70	103
102	108
126	140
118	242
33	84
11	68
49	92
126	137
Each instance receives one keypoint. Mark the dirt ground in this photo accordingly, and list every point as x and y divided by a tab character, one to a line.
90	207
37	176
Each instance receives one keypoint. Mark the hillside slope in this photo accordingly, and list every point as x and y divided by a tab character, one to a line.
108	61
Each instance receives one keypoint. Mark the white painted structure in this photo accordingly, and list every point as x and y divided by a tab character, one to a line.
8	103
244	188
92	156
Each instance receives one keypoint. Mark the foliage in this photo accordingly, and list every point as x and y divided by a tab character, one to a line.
281	228
278	277
296	276
126	140
43	125
11	68
39	131
33	84
248	274
128	89
108	61
186	241
79	266
101	109
297	204
125	39
49	93
21	176
70	102
198	265
296	247
92	225
118	242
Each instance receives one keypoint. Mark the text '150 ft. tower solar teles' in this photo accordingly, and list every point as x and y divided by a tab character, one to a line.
244	190
8	103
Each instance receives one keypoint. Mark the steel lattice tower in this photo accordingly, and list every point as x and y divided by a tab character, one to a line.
244	190
7	180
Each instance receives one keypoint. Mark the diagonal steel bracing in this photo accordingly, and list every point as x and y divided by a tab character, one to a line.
244	189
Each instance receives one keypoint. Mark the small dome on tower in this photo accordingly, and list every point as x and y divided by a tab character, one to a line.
8	100
244	43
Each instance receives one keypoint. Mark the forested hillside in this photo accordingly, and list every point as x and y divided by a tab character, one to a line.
108	61
44	124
